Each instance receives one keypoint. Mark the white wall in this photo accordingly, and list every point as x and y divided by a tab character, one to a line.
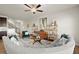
68	22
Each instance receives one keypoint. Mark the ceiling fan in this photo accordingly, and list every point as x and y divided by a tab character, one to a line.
33	8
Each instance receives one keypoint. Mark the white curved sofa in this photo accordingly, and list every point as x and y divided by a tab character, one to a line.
12	48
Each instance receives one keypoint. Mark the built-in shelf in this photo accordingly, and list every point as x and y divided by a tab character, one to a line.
3	26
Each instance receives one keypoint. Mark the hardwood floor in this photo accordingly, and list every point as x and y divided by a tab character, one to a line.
76	50
2	49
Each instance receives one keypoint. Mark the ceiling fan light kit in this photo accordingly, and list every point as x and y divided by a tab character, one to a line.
33	8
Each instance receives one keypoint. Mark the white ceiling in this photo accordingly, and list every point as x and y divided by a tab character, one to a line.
16	11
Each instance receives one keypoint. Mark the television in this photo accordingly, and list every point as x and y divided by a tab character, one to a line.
25	34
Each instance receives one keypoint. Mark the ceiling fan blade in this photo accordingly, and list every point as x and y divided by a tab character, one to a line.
26	10
27	5
38	6
40	10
